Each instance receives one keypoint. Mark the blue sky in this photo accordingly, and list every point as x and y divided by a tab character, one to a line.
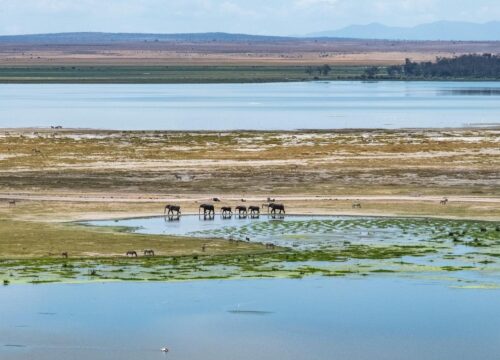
280	17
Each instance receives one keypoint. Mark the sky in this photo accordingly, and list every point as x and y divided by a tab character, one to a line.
266	17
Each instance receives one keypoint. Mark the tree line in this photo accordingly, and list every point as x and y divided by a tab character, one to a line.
473	66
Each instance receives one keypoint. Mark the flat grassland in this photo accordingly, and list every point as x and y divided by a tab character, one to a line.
135	74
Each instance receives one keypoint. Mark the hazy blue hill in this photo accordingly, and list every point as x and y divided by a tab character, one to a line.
442	30
106	38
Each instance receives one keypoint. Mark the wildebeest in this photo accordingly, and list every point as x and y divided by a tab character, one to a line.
65	255
149	252
131	253
241	209
254	210
269	200
226	210
208	209
273	207
12	202
172	209
444	201
216	199
356	205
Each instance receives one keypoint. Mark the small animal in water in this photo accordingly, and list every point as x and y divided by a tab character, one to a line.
164	349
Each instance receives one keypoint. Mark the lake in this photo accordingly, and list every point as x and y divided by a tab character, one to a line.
273	106
315	318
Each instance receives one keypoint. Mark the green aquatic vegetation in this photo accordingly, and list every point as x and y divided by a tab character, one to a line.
325	247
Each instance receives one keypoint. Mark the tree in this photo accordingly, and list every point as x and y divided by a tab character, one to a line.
325	69
371	72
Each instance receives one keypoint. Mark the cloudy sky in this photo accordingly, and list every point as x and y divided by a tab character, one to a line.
279	17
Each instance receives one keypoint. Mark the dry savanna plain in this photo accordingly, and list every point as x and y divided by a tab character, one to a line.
52	178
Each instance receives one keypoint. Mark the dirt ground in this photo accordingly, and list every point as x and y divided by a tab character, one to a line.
297	52
100	174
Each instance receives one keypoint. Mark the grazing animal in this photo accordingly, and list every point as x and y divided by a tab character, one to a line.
172	209
269	200
356	206
131	253
178	177
254	210
149	253
12	202
64	255
270	246
444	201
204	247
247	239
243	200
216	199
208	209
273	207
241	210
226	210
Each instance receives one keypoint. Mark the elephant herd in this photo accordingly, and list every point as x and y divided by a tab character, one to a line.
209	210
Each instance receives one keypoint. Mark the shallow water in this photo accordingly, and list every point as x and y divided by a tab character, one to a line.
465	253
316	318
277	106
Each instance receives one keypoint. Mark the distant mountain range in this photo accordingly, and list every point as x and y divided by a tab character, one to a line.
442	30
110	38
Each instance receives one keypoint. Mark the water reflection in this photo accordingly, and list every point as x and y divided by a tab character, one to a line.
472	91
170	218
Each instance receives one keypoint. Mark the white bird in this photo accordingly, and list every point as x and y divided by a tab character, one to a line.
164	349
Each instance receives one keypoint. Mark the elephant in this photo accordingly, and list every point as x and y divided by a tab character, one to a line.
208	209
172	209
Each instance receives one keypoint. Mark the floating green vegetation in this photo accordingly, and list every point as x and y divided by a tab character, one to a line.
464	253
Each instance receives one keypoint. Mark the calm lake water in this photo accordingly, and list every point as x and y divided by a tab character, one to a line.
317	318
311	105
